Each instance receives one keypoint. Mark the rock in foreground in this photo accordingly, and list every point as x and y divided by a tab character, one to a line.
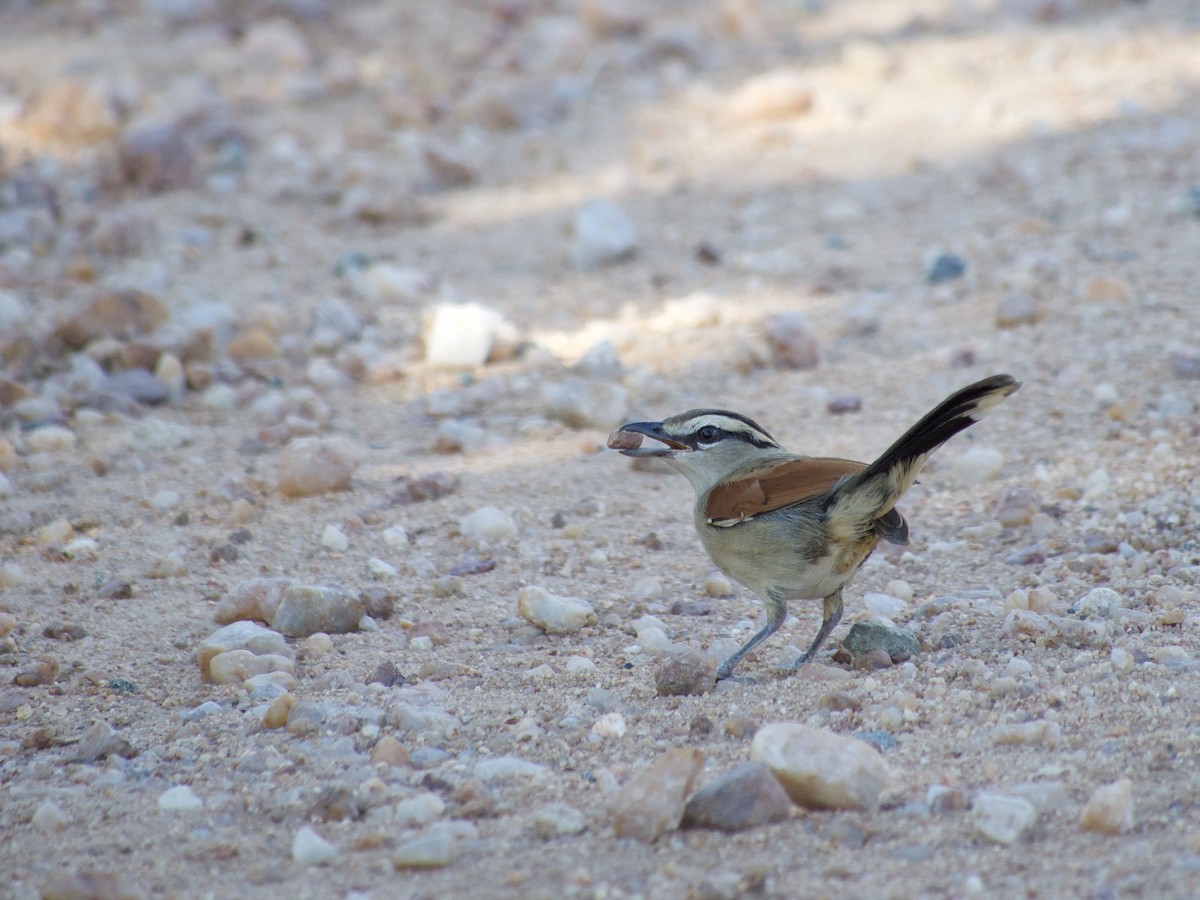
652	802
819	769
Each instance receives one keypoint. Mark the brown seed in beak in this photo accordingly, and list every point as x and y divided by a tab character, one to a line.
624	440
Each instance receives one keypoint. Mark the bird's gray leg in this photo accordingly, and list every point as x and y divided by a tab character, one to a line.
776	613
833	615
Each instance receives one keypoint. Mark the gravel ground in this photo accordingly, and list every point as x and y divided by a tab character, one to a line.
435	252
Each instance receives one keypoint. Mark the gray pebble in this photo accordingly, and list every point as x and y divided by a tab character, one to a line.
742	798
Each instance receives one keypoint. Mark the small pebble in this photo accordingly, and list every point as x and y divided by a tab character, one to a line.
554	614
1102	603
317	645
278	711
235	666
685	674
841	405
51	439
307	609
487	527
421	809
1017	309
609	725
946	267
333	538
171	565
743	798
580	665
718	586
310	849
898	644
389	751
778	94
431	850
256	599
1001	819
504	767
819	769
1110	809
466	336
48	818
884	606
601	234
309	466
180	798
557	820
1121	660
652	802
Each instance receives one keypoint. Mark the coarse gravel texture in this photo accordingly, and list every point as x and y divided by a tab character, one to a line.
1052	147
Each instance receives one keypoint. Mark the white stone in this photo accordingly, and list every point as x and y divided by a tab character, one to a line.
395	536
241	636
977	464
236	666
435	848
380	570
653	640
219	398
310	849
580	665
777	94
333	538
718	586
81	548
820	769
558	820
420	809
883	606
11	575
609	725
601	233
164	500
465	335
557	615
170	565
1097	486
1121	660
506	767
1001	819
50	439
487	526
1100	603
48	818
901	589
180	798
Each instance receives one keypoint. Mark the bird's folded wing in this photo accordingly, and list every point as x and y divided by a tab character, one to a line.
775	486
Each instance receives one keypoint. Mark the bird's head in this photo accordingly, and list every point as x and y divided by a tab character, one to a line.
703	444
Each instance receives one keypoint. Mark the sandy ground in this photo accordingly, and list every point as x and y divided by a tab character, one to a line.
1053	147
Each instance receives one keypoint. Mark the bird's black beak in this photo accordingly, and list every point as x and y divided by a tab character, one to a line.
651	430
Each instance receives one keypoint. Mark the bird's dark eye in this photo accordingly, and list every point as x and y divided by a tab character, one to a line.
708	434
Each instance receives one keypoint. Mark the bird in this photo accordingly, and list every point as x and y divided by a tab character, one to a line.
794	527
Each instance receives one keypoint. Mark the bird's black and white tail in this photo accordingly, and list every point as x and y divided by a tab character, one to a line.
959	411
873	492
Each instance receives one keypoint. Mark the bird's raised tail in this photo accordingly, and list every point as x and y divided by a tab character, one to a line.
957	412
882	483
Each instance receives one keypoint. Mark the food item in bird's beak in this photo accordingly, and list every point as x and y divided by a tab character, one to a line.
624	440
